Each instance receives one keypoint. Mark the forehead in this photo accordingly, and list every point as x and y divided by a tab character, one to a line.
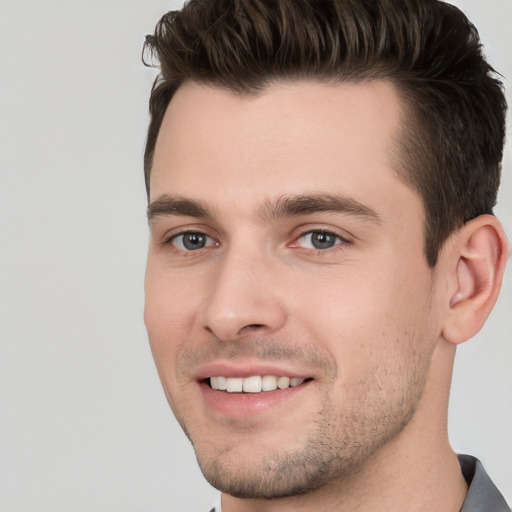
293	138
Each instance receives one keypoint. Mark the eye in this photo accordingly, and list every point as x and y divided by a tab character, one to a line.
319	240
191	241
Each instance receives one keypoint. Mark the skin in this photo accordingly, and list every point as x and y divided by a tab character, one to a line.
362	320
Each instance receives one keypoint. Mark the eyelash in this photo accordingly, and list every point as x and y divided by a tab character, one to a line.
172	239
340	242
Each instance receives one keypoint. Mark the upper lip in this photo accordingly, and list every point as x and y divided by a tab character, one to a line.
229	369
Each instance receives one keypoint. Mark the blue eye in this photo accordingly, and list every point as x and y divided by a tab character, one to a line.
320	240
191	241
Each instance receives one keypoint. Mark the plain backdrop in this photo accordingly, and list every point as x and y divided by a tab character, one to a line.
84	426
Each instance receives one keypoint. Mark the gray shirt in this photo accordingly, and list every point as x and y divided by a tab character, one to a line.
482	493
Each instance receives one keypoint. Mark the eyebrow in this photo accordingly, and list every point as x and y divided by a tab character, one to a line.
285	206
177	205
290	206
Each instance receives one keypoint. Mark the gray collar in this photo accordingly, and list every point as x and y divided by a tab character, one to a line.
483	496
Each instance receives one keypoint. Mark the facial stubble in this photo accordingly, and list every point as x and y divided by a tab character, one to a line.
341	440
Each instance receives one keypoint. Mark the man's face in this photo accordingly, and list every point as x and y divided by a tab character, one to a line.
284	246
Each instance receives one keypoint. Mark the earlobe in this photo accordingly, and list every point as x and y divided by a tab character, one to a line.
480	249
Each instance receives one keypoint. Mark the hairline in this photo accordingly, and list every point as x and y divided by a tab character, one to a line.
252	91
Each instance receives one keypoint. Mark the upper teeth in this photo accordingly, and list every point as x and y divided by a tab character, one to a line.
254	384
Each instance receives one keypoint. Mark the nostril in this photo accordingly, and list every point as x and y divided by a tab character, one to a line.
252	327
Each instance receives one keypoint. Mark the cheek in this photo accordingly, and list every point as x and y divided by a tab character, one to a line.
168	317
354	315
168	323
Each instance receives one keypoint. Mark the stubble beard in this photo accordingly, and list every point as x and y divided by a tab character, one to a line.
345	433
333	454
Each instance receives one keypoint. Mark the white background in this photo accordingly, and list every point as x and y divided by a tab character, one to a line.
84	426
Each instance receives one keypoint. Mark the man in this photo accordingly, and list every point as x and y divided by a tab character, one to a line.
321	177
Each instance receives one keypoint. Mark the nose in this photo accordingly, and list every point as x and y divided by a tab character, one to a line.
243	298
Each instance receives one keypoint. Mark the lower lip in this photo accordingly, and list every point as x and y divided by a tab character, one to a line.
249	404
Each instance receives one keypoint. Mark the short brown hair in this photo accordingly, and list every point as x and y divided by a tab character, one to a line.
451	143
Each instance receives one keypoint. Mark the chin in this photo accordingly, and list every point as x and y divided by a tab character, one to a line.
317	464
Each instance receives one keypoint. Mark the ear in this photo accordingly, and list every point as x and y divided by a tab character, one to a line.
478	254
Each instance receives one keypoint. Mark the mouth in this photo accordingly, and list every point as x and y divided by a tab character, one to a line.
254	384
248	389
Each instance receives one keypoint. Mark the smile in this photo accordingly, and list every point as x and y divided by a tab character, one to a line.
253	384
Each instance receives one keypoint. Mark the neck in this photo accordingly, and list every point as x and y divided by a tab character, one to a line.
417	471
